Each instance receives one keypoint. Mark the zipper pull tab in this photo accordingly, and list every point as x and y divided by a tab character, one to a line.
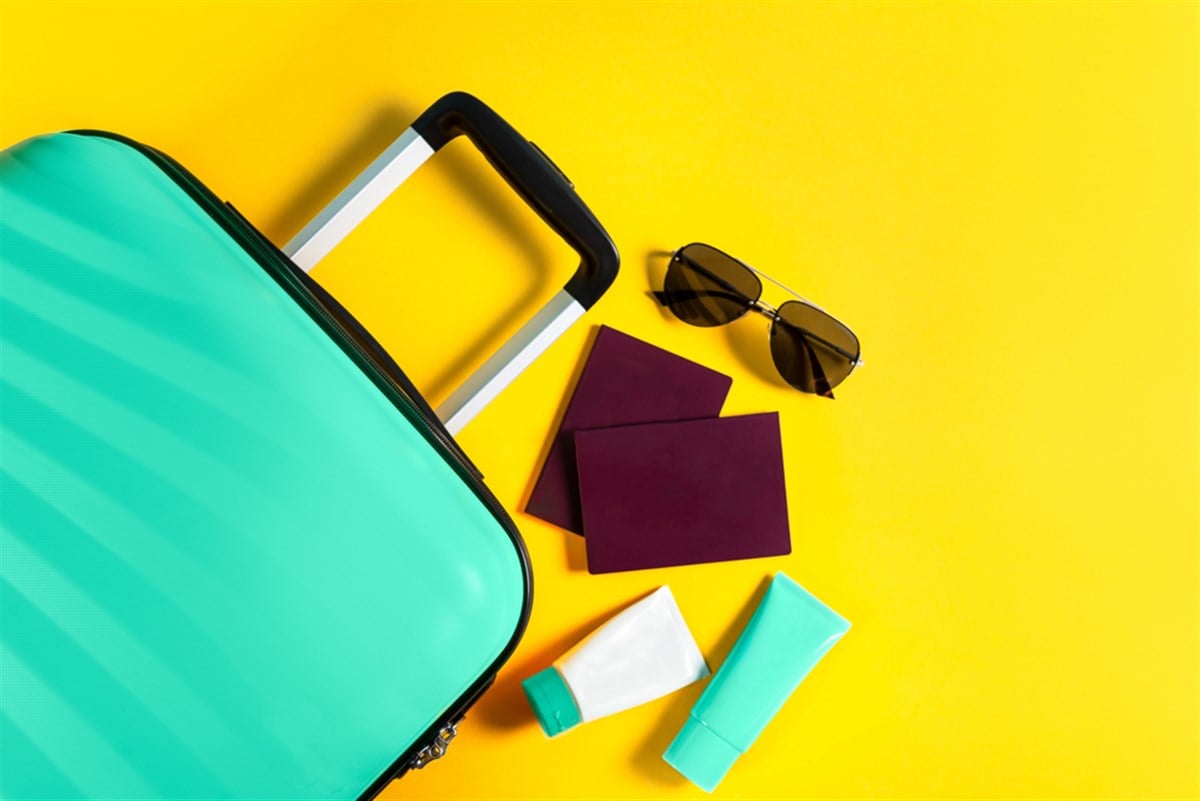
436	749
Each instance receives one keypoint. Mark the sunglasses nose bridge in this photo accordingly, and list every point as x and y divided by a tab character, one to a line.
765	309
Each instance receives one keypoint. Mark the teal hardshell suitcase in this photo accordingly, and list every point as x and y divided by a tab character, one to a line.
241	557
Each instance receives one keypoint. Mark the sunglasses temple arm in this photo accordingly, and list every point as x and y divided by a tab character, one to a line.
716	279
667	297
830	345
740	296
820	381
809	335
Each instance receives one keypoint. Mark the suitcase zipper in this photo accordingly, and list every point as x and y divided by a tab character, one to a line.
402	387
438	737
436	749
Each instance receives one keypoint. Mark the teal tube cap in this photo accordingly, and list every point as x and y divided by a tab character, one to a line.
701	755
552	701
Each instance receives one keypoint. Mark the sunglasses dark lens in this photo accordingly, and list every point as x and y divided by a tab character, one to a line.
812	351
706	287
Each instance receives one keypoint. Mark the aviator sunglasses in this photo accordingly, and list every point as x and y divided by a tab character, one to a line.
706	287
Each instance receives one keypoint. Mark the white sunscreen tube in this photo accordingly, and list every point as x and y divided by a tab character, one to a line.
643	653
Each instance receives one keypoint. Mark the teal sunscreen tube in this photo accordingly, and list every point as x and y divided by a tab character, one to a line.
789	633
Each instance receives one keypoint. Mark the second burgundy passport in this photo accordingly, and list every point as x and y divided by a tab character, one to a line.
682	493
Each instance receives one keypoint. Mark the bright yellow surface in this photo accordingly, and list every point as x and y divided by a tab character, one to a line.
1000	200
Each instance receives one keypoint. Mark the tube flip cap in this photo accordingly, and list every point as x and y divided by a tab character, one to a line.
552	701
701	755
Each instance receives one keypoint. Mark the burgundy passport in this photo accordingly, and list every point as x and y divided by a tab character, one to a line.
682	493
624	381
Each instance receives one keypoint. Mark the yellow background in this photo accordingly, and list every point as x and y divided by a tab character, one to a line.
1001	200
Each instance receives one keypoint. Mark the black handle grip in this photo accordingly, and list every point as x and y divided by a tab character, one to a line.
536	179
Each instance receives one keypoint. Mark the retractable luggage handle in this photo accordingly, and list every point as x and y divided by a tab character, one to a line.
535	178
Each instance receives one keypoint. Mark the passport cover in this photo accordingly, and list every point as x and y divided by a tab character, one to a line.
682	493
624	381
